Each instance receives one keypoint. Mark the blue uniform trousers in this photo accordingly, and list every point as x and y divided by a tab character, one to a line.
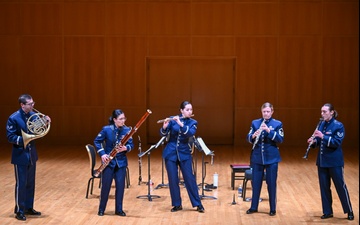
337	174
257	180
189	179
24	187
108	174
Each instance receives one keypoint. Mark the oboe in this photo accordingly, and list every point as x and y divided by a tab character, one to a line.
312	139
258	136
140	163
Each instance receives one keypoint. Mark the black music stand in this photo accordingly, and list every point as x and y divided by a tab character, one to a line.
149	196
200	145
162	172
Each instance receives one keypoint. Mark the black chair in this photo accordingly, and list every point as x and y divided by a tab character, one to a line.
238	172
248	176
92	156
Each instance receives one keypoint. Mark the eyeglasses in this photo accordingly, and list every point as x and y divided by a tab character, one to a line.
30	103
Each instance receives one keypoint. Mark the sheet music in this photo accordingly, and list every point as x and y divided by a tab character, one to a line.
205	149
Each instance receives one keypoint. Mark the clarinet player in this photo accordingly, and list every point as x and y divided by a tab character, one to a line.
330	161
265	133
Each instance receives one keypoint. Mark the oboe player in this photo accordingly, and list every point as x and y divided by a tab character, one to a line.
330	161
265	133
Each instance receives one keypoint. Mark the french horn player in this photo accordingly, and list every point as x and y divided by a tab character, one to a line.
24	126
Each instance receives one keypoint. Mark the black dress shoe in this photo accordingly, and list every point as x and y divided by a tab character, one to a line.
32	211
120	213
100	213
326	216
350	216
20	216
176	208
200	208
272	213
249	211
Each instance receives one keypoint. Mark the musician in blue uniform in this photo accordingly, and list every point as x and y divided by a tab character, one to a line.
330	161
265	133
23	158
109	138
177	154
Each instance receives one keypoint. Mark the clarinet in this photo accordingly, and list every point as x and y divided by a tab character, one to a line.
140	164
258	136
312	138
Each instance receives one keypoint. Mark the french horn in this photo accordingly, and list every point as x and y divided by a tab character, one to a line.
37	125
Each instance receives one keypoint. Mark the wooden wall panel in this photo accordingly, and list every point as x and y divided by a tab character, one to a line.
84	18
9	67
94	118
42	18
128	18
342	92
125	59
169	18
169	46
300	72
213	46
43	73
84	66
341	18
300	18
9	18
296	54
212	18
169	83
256	19
257	68
212	95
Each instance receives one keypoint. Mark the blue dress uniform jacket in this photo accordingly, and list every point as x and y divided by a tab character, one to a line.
330	162
266	151
265	156
24	160
110	135
178	153
330	153
20	155
178	146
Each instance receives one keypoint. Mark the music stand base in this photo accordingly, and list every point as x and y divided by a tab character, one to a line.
206	196
162	185
149	197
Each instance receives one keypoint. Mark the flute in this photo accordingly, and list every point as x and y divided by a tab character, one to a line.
312	137
171	118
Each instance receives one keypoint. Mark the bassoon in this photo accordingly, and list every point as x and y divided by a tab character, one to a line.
123	141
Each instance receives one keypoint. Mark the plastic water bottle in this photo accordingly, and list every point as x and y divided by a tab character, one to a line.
240	191
216	179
